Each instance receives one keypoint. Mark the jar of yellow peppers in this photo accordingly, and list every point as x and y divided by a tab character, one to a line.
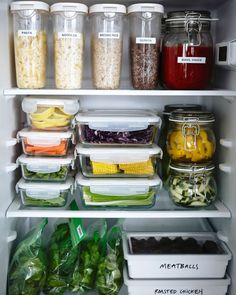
190	137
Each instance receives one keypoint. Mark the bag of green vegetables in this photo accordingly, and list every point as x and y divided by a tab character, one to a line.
27	270
91	249
62	256
109	277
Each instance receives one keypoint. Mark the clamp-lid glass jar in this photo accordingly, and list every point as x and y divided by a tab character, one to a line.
30	42
187	50
106	44
145	34
168	109
192	185
191	137
68	26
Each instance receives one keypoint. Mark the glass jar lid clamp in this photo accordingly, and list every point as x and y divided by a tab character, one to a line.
192	22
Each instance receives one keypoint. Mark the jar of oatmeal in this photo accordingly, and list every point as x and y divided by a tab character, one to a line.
145	33
30	42
187	56
106	44
68	26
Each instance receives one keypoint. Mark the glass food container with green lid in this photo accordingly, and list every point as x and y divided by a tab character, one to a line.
192	185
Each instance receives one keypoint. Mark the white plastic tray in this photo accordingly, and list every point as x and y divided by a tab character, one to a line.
176	266
177	287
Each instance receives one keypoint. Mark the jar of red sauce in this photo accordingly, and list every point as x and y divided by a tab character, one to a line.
187	56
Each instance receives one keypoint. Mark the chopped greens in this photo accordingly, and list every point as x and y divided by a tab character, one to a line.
199	191
59	201
54	176
130	200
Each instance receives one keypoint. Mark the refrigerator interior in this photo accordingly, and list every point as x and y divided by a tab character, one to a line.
220	101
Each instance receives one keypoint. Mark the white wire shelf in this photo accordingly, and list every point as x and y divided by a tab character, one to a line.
164	208
120	92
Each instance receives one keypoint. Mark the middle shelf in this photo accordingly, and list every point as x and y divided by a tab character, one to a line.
164	208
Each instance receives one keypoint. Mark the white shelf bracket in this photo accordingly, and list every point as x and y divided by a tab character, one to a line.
12	236
9	97
225	168
11	142
11	167
226	143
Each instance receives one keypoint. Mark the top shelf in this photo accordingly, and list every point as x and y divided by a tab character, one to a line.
228	94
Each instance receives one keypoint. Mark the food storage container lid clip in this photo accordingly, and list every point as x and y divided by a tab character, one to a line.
70	105
119	155
29	5
43	187
192	168
69	7
108	8
146	7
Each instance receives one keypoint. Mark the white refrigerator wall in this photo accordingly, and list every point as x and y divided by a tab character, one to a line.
11	117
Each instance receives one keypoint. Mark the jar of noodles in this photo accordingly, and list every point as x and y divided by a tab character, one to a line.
190	137
145	33
187	56
30	42
68	26
107	44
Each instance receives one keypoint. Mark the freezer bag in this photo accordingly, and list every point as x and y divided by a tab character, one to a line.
109	277
27	270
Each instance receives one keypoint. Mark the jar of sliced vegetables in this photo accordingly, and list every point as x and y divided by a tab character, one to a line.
190	137
192	185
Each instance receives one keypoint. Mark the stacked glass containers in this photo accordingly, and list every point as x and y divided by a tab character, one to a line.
118	158
145	34
68	26
47	161
191	147
187	56
106	44
30	42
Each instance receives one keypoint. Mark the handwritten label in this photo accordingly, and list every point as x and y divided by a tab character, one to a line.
179	266
144	40
68	35
179	291
27	33
106	35
191	60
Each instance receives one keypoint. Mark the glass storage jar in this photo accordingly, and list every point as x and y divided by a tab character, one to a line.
68	26
187	56
145	33
164	131
192	185
30	42
191	137
106	44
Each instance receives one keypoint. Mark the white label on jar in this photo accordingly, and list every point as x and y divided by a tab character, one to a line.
191	60
144	40
68	35
27	33
104	35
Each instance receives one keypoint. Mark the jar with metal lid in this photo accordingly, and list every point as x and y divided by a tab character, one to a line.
164	131
68	27
145	34
30	20
192	185
187	54
191	137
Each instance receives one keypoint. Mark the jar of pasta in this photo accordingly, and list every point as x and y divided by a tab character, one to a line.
192	185
190	136
68	26
106	44
30	42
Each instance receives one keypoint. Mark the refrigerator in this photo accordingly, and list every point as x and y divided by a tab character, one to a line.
16	220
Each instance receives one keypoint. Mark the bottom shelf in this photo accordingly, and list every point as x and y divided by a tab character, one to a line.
164	208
